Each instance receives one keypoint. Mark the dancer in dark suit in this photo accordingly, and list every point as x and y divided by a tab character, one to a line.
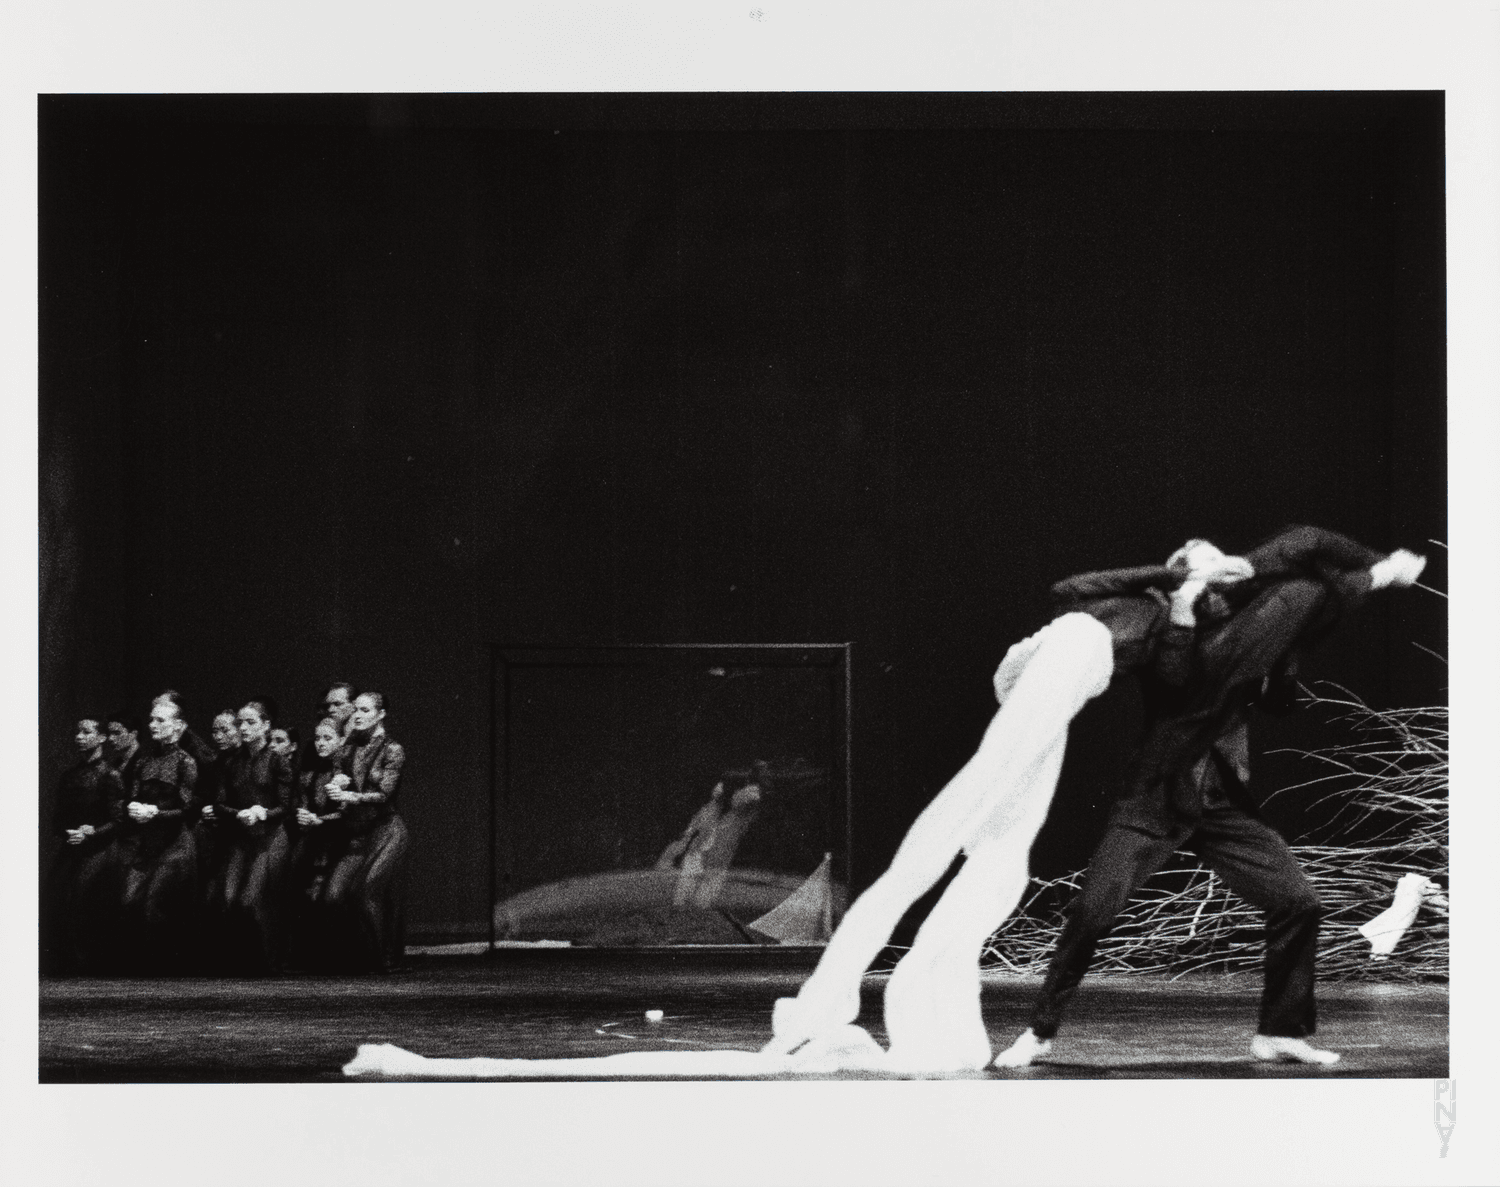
1186	785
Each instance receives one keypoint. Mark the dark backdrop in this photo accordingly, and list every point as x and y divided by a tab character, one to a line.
358	386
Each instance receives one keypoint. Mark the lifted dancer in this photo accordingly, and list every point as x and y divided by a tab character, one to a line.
991	810
1186	785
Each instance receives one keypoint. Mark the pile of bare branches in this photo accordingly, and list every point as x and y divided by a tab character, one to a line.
1388	787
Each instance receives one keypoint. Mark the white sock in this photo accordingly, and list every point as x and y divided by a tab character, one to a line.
1287	1049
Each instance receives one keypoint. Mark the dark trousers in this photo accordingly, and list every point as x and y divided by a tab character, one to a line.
79	905
247	897
365	895
158	898
1254	862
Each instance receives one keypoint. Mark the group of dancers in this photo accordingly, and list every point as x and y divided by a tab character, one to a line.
243	854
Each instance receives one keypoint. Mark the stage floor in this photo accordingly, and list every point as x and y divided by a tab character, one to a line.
579	1003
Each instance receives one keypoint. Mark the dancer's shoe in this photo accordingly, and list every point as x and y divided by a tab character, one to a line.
1290	1050
1024	1051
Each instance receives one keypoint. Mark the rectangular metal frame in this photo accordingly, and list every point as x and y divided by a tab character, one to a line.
504	659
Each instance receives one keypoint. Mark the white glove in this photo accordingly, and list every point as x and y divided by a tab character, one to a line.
141	813
1401	568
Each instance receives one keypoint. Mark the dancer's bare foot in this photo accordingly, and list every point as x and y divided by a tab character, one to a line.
1023	1051
1290	1050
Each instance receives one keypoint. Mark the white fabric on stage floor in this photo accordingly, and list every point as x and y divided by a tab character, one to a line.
848	1049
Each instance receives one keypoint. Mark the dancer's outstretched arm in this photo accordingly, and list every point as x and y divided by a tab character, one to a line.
1071	592
1344	564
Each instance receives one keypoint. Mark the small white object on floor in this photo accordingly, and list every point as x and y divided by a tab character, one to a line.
1290	1050
655	1015
1023	1051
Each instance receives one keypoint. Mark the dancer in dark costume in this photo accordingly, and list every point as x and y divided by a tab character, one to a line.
1186	785
365	890
318	841
249	815
77	903
195	747
212	772
157	853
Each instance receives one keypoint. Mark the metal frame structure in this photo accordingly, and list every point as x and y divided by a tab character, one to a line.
505	659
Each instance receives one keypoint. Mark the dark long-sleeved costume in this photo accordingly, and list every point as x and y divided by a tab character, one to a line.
315	851
213	767
77	906
1134	605
248	883
364	893
1186	784
125	764
87	795
158	857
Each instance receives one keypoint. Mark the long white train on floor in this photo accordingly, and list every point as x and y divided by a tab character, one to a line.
991	810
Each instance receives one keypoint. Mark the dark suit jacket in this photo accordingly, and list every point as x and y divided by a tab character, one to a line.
1134	605
1305	580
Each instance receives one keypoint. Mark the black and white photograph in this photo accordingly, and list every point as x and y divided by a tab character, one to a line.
897	590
